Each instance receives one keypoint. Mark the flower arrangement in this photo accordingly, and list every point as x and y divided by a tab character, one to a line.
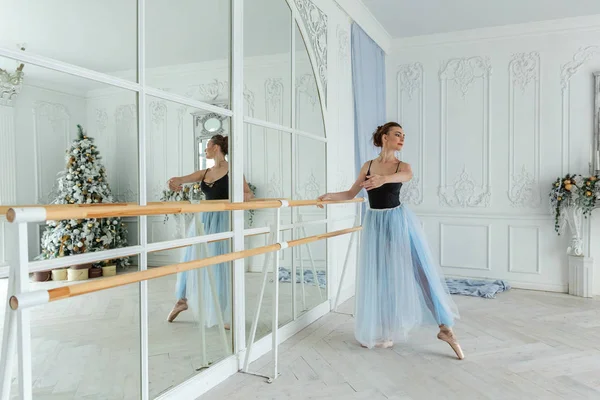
188	193
251	212
573	191
193	192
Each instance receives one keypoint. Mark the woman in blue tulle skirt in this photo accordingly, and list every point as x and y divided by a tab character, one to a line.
214	183
400	286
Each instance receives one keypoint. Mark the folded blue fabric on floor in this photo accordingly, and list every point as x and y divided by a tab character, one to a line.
285	275
477	288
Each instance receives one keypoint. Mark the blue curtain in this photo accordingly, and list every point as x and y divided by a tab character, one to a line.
368	80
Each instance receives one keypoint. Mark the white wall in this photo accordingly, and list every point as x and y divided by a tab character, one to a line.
492	117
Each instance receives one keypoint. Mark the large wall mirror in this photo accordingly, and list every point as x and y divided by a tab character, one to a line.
187	69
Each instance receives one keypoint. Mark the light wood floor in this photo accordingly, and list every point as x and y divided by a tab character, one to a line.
88	347
521	345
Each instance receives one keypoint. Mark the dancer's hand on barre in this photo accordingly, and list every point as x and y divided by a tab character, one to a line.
325	197
174	184
373	181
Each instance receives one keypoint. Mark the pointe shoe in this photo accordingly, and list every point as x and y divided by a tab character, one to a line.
386	344
447	336
227	327
180	306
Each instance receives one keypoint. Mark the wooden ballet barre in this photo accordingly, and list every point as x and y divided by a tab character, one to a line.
60	212
34	298
4	209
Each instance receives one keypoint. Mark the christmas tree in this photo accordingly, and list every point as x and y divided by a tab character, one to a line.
83	182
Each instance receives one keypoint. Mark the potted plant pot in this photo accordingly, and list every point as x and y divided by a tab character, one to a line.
42	276
74	274
95	272
59	274
109	270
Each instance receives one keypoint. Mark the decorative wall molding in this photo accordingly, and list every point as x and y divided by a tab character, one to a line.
101	120
158	150
315	23
524	185
537	248
306	84
409	81
274	113
274	95
488	241
249	101
182	113
126	128
343	43
57	116
311	186
10	86
105	140
8	168
465	192
213	91
568	70
274	188
8	183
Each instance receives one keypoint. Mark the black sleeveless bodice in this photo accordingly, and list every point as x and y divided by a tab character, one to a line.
385	196
217	190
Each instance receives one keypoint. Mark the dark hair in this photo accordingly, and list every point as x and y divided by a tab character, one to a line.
222	142
383	130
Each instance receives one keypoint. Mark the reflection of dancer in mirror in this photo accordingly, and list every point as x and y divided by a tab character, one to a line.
214	183
400	287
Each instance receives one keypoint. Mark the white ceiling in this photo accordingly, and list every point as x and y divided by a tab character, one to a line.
404	18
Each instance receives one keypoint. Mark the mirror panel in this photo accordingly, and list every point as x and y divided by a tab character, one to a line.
188	46
101	36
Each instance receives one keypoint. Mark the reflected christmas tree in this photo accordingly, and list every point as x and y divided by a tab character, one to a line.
83	182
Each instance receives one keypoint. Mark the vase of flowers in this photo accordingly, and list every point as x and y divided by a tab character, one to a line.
573	198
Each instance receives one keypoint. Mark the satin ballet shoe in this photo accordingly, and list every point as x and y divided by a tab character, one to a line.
180	306
447	335
386	344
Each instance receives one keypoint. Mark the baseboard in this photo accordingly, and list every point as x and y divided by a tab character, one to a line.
201	383
542	287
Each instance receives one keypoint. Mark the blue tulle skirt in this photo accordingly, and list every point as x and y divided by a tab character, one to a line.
399	285
188	282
